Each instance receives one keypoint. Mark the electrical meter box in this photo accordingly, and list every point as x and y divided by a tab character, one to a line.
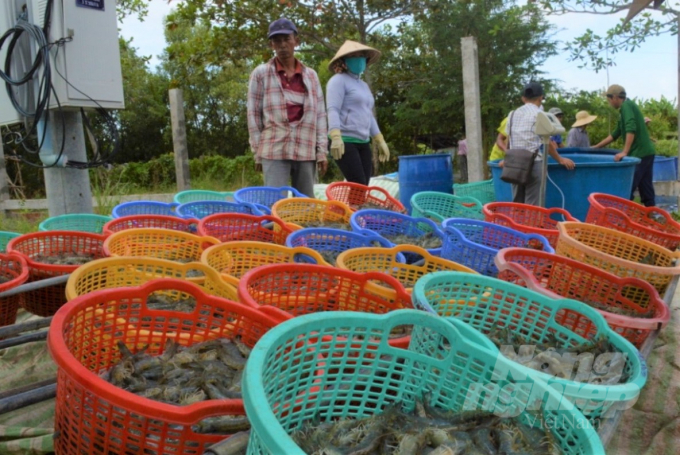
86	70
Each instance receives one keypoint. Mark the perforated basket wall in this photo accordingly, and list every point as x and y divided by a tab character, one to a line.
527	218
228	227
306	212
203	195
150	221
329	243
144	208
83	222
93	416
475	243
490	305
294	372
13	273
158	243
35	247
118	272
265	196
201	209
440	206
5	237
358	197
482	191
648	223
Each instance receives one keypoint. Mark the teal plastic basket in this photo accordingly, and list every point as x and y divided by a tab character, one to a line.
305	369
5	237
487	303
440	206
481	191
203	195
82	222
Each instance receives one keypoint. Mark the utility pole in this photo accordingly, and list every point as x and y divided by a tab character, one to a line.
179	139
473	111
4	181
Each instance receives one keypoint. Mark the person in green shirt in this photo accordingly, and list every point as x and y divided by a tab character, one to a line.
636	143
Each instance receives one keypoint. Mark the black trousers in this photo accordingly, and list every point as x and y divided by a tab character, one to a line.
643	181
357	163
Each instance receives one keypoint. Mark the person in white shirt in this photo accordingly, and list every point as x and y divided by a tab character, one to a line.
520	129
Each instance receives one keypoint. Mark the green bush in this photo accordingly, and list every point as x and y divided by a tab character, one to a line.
667	147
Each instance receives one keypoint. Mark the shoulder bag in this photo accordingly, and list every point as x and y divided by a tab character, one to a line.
518	163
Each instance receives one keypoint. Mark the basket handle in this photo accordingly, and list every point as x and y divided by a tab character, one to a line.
578	307
275	313
303	250
295	192
558	210
387	279
410	249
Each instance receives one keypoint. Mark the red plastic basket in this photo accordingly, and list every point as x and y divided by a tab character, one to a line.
560	277
627	216
150	221
46	301
356	196
527	218
13	273
95	417
227	227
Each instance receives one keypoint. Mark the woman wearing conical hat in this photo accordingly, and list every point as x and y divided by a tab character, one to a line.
578	136
351	122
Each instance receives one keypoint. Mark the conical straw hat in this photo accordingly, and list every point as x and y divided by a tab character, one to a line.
350	47
583	118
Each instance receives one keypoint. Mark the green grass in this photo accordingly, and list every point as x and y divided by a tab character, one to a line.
22	222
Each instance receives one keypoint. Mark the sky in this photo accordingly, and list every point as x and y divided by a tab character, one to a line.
649	72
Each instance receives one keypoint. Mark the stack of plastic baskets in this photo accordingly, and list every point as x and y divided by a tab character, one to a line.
359	196
648	223
83	222
560	277
309	361
307	212
527	218
390	261
227	227
13	273
109	273
331	242
264	197
158	243
201	209
36	247
95	417
475	243
622	254
145	208
440	206
481	191
5	237
151	222
203	195
493	306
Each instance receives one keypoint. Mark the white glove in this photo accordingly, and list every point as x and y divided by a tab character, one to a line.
383	149
337	146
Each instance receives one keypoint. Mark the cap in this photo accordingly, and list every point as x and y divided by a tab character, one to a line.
281	26
350	47
555	111
532	90
616	90
583	118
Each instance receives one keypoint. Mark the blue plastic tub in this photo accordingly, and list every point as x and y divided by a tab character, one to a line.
665	168
593	174
424	173
586	151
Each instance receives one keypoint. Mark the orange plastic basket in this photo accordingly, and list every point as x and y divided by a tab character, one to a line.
158	243
109	273
387	260
527	218
13	273
150	221
227	227
624	255
306	212
233	259
560	277
46	301
649	223
358	196
95	417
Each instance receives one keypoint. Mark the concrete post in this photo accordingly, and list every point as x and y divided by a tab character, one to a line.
473	111
68	190
4	181
179	139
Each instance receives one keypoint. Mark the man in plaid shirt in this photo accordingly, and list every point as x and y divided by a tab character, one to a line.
287	115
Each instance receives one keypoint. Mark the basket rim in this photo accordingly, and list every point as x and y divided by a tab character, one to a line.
191	204
304	232
330	193
354	223
122	205
21	277
11	247
179	195
159	231
131	218
311	202
448	230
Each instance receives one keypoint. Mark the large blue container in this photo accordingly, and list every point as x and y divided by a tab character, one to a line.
586	151
424	173
593	174
665	168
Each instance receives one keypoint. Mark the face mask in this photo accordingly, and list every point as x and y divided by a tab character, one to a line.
356	65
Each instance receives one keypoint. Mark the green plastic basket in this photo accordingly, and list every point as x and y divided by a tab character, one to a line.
203	195
440	206
481	191
5	237
82	222
487	303
293	376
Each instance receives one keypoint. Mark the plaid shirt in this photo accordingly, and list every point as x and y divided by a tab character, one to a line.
522	123
272	136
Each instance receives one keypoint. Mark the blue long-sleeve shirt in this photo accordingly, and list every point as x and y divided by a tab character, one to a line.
350	102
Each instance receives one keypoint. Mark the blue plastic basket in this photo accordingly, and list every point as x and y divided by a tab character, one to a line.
385	222
83	222
331	242
144	208
201	209
475	243
5	237
265	197
203	195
